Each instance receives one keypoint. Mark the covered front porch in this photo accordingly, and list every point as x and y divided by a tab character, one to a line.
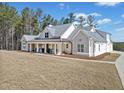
45	47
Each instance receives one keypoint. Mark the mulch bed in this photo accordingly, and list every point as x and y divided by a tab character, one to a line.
100	57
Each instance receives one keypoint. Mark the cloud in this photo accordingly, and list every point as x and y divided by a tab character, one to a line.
107	3
85	15
122	15
80	14
63	6
95	14
120	29
104	21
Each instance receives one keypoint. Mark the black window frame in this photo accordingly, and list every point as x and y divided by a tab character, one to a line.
80	48
66	45
47	35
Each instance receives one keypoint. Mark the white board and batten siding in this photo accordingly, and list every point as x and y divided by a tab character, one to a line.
81	39
109	43
100	48
75	41
66	47
24	46
46	30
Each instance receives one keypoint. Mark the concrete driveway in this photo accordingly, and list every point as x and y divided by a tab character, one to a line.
120	66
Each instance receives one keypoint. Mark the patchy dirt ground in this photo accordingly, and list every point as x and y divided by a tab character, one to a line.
20	70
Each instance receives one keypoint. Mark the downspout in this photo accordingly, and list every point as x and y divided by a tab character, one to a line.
94	48
62	45
89	48
71	46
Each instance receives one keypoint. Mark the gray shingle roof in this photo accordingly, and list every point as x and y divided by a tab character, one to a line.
29	37
99	36
59	30
95	36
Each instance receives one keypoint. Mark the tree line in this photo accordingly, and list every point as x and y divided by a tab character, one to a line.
31	22
119	46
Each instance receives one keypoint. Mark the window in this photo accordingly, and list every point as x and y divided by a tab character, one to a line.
66	45
47	35
80	47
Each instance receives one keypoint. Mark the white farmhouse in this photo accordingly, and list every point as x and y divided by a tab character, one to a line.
68	39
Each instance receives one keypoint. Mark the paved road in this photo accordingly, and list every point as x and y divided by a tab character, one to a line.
120	66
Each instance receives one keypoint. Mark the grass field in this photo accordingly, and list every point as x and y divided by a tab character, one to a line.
20	70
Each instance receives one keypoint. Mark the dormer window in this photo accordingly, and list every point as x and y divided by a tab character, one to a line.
47	35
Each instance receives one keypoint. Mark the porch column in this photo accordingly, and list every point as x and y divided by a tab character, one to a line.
54	48
37	48
59	48
45	48
30	47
